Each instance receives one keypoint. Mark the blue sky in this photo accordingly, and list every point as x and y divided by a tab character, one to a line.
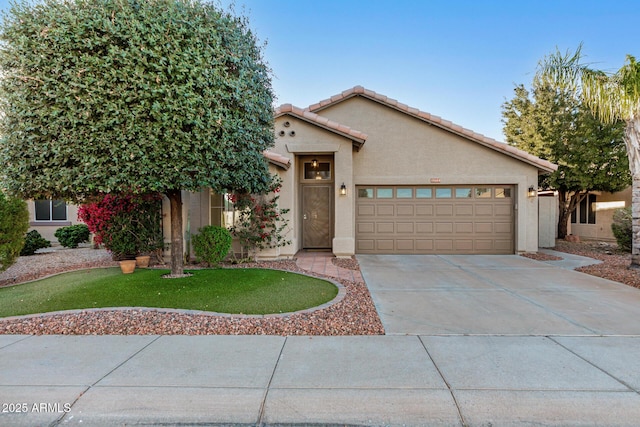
458	59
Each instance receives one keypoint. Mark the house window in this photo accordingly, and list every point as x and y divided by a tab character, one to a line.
585	212
223	212
51	210
319	171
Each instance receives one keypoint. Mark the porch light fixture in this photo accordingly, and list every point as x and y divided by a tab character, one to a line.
343	190
531	192
314	163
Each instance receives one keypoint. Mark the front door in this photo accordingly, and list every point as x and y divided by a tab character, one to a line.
316	216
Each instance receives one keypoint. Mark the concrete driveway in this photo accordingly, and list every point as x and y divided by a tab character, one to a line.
496	295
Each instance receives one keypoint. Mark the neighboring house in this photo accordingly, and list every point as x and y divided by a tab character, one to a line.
364	174
593	217
46	216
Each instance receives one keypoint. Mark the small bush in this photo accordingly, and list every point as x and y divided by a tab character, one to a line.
622	230
73	235
32	242
212	244
14	223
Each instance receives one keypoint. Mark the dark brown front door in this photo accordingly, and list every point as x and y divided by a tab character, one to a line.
316	216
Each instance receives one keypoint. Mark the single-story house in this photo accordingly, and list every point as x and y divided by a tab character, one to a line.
591	220
366	174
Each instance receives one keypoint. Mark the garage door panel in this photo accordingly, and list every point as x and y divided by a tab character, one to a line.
366	245
385	227
424	210
444	210
424	227
405	245
443	245
366	210
384	245
385	210
484	210
464	245
464	227
405	227
405	210
425	245
484	227
401	221
464	210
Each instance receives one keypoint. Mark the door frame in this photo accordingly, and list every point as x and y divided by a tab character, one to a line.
304	182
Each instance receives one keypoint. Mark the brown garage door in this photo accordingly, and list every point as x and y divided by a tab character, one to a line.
461	219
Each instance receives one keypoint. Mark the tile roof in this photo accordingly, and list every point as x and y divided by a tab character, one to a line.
277	159
356	136
436	121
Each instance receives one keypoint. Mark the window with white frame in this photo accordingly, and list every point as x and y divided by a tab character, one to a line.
50	210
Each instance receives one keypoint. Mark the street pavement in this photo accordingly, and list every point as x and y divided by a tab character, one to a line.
471	341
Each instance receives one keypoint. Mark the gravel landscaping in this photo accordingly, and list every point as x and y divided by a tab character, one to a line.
354	315
614	266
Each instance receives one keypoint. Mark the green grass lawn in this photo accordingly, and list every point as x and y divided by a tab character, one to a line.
248	291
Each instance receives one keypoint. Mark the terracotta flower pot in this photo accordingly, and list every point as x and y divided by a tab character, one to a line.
128	266
143	261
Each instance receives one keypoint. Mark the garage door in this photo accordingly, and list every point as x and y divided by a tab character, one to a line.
462	219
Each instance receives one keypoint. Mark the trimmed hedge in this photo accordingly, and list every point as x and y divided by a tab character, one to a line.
73	235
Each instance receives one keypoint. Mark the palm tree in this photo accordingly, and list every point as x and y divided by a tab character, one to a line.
612	97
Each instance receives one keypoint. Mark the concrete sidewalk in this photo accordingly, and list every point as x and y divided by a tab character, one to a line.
363	380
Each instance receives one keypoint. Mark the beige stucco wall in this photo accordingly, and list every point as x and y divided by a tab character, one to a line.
47	229
401	149
309	139
606	205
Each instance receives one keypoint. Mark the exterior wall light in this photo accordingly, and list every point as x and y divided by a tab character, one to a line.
532	192
314	163
343	190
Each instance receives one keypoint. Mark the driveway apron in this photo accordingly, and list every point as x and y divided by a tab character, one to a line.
495	295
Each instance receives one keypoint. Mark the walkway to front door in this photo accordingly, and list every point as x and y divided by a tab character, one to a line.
320	262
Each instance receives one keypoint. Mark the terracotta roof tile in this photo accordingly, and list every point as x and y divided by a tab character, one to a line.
437	121
277	159
309	116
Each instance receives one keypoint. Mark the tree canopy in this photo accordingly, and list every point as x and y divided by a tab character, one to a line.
612	97
103	96
552	123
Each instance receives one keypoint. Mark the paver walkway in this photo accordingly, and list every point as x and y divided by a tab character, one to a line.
320	262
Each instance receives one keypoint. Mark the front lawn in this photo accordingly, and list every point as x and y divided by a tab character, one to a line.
247	291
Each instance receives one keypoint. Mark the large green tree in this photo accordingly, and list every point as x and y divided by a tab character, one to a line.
103	96
552	123
612	97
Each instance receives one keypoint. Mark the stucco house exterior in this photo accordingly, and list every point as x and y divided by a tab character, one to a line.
46	216
363	173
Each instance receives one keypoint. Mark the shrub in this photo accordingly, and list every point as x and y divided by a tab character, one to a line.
212	244
621	228
261	223
127	224
14	223
73	235
32	242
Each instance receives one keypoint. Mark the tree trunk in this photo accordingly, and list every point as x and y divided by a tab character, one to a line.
566	205
632	140
177	246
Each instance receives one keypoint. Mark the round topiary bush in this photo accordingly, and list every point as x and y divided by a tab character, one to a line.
73	235
212	244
